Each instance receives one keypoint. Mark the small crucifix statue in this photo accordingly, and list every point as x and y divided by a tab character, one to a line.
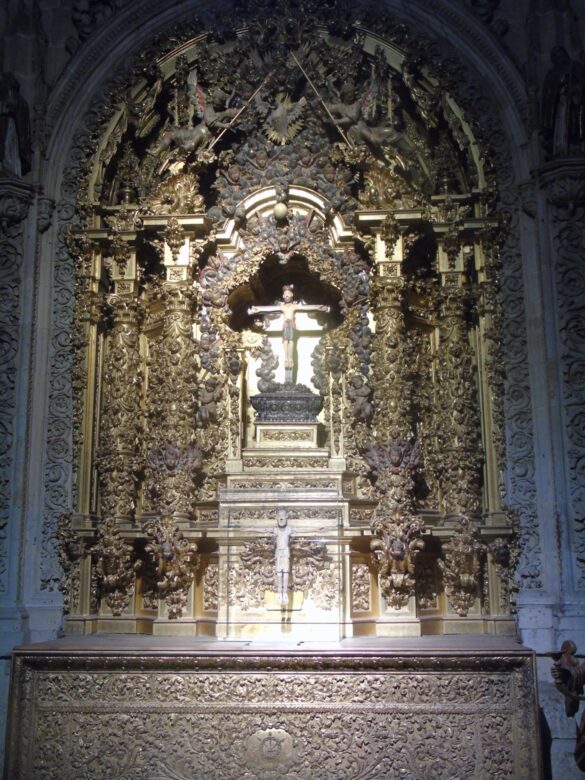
282	556
288	307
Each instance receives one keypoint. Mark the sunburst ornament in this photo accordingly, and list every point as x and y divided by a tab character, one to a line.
285	120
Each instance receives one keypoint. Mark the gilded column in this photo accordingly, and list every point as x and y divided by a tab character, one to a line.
75	553
121	430
491	371
395	455
86	346
459	442
173	461
118	458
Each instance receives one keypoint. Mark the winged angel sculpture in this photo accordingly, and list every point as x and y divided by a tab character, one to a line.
213	111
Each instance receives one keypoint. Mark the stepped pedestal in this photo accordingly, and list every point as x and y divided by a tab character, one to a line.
286	472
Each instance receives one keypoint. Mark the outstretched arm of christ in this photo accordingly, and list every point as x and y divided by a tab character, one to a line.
267	309
278	307
304	307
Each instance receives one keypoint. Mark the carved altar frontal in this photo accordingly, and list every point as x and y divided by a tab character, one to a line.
140	709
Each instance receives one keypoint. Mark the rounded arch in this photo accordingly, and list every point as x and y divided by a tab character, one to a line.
82	95
304	201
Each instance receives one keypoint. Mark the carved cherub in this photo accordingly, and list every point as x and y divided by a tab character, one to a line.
359	394
209	395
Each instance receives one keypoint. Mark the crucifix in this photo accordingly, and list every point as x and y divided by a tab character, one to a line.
288	308
282	556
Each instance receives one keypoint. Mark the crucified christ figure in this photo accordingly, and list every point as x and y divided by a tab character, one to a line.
282	556
288	307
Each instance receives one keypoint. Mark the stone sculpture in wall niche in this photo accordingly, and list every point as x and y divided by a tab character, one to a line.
563	104
15	141
45	207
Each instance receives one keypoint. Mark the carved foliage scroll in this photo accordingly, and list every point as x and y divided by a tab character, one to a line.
119	448
567	198
14	202
172	459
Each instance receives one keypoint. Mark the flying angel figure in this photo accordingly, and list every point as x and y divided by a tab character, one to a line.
283	121
214	111
214	114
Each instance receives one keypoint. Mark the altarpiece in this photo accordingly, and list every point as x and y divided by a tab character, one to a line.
288	423
325	169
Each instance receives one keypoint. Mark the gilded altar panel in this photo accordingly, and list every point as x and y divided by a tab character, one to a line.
235	714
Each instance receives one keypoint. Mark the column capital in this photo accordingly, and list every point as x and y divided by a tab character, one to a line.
564	182
15	199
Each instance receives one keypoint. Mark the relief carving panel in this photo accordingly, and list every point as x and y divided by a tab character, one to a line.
275	717
360	587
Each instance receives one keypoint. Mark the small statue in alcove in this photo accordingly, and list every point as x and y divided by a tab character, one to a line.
282	556
563	104
15	142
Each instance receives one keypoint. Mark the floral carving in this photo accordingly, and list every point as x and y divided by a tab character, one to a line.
118	458
115	567
395	556
461	567
173	458
174	557
395	456
360	587
71	551
458	434
504	553
334	710
211	587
